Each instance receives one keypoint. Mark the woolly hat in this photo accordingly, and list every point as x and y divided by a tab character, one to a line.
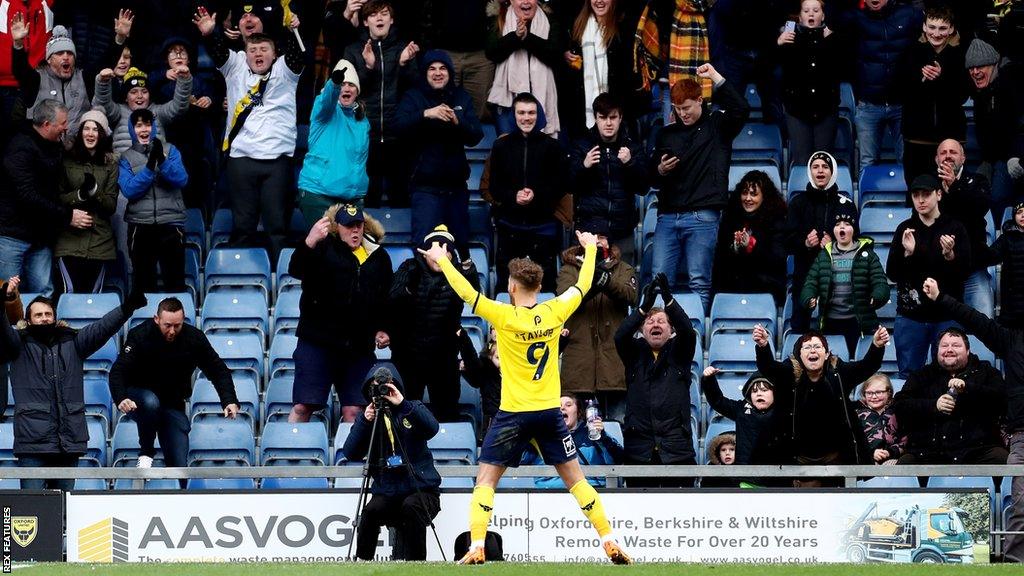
441	235
97	116
60	41
980	53
755	378
268	11
348	72
845	212
134	78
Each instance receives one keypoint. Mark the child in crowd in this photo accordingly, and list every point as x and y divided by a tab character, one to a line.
846	282
1008	249
879	421
721	452
757	441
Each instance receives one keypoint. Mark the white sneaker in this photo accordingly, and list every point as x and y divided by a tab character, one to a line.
144	462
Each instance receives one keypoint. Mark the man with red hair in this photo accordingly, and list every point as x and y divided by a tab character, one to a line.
692	176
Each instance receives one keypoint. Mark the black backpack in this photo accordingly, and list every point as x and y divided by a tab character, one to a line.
492	546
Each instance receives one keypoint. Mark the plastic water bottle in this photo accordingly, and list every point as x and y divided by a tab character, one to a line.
593	415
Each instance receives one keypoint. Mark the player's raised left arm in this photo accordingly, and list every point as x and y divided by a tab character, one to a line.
481	304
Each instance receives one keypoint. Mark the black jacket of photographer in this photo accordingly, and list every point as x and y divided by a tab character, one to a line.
414	425
974	422
658	389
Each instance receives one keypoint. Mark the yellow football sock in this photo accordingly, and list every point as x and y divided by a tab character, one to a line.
480	508
591	505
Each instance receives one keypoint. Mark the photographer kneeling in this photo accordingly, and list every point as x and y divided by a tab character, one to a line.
404	497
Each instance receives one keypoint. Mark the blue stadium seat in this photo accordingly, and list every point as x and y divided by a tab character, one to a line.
732	352
195	229
753	100
147	312
283	281
193	277
90	484
15	484
740	312
476	172
454	443
613	430
220	229
9	411
398	254
758	143
281	351
222	443
397	224
978	347
650	223
103	359
470	407
344	428
151	484
450	482
7	445
879	222
738	171
286	313
798	181
238	267
277	401
124	445
888	360
481	231
294	484
79	310
241	352
233	311
205	403
483	267
882	184
482	149
221	484
847	102
897	384
836	344
294	444
512	481
98	403
889	482
96	454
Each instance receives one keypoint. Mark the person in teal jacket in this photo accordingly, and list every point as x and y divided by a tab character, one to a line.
604	450
334	170
846	282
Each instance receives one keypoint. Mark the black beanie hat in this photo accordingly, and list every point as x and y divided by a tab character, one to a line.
845	212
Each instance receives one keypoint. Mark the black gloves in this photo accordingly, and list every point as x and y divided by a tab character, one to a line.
663	286
156	155
88	189
647	298
136	299
338	76
601	278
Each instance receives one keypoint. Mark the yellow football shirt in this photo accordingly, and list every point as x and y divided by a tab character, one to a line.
527	338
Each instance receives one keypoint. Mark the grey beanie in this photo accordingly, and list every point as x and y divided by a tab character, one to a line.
60	41
980	53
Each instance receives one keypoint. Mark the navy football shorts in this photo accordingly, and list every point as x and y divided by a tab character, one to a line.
511	433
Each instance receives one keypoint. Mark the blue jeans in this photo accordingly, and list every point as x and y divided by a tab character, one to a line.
978	293
171	424
432	206
48	461
689	235
914	340
32	262
872	122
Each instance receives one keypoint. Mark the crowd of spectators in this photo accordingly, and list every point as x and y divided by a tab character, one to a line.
117	117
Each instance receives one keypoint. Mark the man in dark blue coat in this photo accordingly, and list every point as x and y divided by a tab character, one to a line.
883	30
406	493
438	121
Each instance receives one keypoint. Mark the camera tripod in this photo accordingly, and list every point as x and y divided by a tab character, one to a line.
383	410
